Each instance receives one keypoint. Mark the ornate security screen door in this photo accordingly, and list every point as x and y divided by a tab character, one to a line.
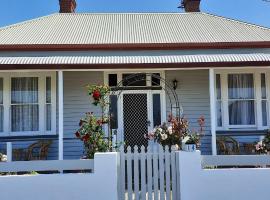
135	117
141	111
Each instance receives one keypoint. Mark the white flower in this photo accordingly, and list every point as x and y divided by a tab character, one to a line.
159	130
170	130
164	136
3	158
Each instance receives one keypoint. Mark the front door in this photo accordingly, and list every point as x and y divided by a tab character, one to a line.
140	111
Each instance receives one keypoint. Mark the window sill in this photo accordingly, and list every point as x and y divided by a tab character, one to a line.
27	138
28	133
246	132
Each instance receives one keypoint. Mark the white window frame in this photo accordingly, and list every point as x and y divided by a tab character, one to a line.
257	100
41	102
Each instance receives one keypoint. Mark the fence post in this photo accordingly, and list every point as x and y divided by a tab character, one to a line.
106	167
9	152
189	175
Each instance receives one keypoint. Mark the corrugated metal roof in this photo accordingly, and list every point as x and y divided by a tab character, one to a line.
129	28
136	59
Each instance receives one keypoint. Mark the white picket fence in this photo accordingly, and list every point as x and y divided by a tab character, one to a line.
148	175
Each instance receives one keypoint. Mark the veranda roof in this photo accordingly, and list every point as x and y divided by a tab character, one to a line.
118	60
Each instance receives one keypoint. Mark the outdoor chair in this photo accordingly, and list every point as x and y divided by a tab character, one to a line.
38	150
18	154
227	146
249	148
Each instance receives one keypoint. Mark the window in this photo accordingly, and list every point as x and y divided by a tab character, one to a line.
112	80
1	106
24	104
27	103
241	102
48	104
113	111
155	79
219	102
156	110
238	103
134	79
264	100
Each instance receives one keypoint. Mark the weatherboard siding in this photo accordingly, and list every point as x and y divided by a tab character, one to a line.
193	94
76	104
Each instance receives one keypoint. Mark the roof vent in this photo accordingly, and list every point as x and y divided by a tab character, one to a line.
67	6
190	5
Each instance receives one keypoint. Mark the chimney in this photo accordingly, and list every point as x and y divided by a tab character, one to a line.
67	6
190	5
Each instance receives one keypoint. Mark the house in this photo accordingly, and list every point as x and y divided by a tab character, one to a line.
219	68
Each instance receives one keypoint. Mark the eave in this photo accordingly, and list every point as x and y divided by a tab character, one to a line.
134	46
134	66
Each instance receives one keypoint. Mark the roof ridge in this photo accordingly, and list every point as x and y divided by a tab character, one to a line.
131	13
26	22
238	21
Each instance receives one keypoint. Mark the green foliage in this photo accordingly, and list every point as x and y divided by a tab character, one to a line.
266	141
193	138
33	173
92	134
91	130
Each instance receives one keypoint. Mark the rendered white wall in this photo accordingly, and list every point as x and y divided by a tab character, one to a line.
220	184
101	185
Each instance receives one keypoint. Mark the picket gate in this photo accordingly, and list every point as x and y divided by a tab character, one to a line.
149	174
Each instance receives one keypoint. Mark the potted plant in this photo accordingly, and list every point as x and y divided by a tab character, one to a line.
175	133
192	140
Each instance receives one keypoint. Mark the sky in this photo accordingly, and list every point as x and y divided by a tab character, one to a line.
252	11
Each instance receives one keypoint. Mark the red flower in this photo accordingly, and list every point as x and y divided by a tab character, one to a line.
85	137
78	135
96	95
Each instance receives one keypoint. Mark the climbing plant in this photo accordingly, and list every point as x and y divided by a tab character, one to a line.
91	131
